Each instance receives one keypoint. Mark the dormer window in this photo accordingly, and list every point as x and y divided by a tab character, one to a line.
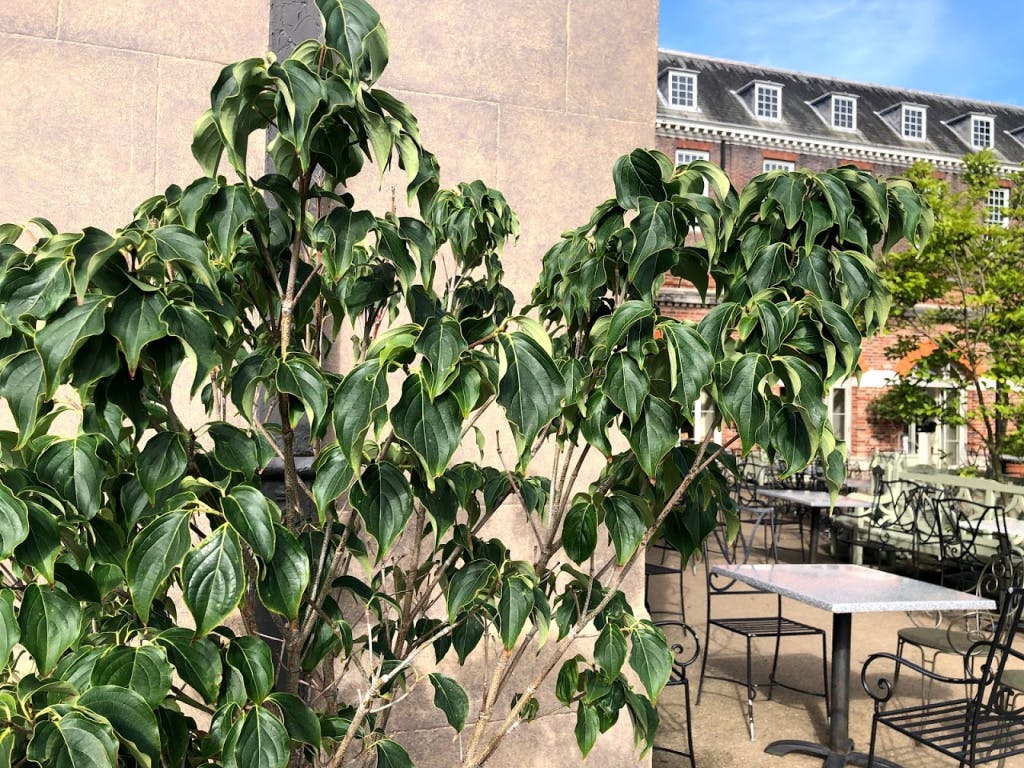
844	113
913	122
767	101
981	131
682	89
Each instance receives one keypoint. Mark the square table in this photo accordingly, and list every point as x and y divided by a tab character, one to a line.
844	590
817	502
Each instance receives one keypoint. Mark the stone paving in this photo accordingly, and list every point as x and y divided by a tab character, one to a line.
721	739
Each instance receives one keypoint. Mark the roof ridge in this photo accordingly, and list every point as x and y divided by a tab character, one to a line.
818	76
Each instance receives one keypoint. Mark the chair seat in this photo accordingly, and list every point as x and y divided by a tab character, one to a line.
946	726
766	626
937	638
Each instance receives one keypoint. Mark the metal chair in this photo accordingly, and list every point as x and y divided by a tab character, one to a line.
682	639
774	626
1002	574
977	729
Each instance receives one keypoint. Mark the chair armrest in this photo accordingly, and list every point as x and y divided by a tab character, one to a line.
885	686
683	642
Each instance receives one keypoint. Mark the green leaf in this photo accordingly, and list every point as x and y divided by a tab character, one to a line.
299	720
383	499
441	343
530	390
587	727
212	579
162	463
37	291
262	742
654	230
252	371
74	740
251	657
135	322
131	717
347	229
610	650
625	317
451	699
13	521
653	434
353	29
177	245
391	755
362	392
690	362
42	546
626	385
300	377
207	146
514	607
154	553
194	330
10	632
49	619
788	191
431	428
472	580
286	576
23	385
579	531
6	747
742	395
639	174
300	93
625	526
144	669
196	660
250	513
333	476
650	658
76	471
65	333
234	448
226	215
567	683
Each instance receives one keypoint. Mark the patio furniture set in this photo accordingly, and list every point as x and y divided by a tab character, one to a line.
968	547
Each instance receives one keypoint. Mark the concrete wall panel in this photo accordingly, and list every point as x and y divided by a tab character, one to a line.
214	31
38	18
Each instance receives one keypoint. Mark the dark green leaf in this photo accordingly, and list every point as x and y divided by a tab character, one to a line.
451	699
470	581
144	669
639	174
514	607
261	742
333	477
234	448
10	632
66	332
177	245
383	499
530	390
391	755
23	385
285	578
568	679
743	396
251	657
301	378
75	740
206	144
579	531
212	578
13	521
363	392
196	660
154	553
162	462
250	513
653	434
130	716
300	721
75	469
432	428
650	658
441	343
626	385
587	727
625	526
610	650
49	620
37	291
353	29
43	544
691	362
136	321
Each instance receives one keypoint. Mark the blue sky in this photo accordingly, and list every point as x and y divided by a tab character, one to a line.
969	48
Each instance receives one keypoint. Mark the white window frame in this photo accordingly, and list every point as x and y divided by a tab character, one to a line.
675	75
986	134
839	396
837	100
995	204
772	96
777	165
684	156
909	110
704	413
943	436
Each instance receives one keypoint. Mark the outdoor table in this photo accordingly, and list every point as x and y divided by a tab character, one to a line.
816	502
844	590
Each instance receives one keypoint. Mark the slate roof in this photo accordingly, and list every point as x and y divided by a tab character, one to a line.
719	81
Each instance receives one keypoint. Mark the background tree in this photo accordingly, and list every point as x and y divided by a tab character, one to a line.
959	303
135	533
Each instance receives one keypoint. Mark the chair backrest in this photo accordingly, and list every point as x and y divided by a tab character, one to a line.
685	647
970	534
994	653
717	549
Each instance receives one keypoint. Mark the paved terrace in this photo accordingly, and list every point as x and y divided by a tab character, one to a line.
720	728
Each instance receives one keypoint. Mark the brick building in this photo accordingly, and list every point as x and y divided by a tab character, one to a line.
750	119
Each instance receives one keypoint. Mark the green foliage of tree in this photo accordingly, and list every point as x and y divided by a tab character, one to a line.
960	298
130	539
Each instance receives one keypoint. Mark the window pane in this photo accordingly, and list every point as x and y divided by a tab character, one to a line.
778	165
913	123
842	112
981	132
681	89
994	205
767	99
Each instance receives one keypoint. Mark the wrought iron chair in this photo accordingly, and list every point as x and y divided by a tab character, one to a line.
977	729
1001	574
685	645
773	626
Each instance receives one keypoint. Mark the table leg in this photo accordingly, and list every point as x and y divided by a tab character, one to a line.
815	533
839	751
